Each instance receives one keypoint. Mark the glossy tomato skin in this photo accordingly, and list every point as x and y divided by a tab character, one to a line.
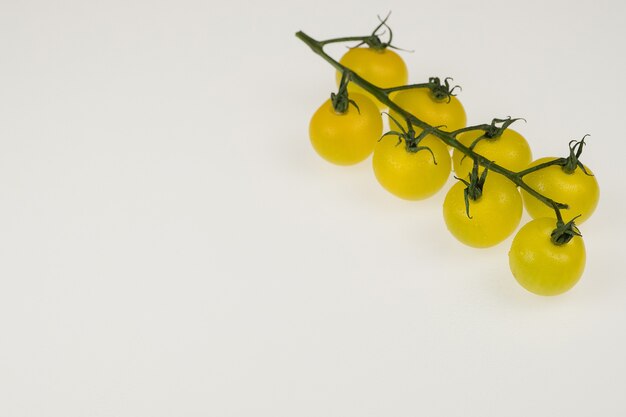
494	215
510	150
578	190
411	176
383	68
421	103
542	267
348	138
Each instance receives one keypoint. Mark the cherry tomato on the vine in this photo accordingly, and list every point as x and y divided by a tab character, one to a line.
509	150
541	266
494	215
381	67
346	138
411	175
577	189
449	115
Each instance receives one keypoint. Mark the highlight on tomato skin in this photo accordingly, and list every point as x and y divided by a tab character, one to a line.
348	138
541	266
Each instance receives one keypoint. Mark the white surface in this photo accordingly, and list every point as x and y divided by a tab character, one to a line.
170	244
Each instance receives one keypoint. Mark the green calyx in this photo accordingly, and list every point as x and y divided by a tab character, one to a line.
411	141
441	91
374	41
341	101
474	188
564	232
498	126
572	162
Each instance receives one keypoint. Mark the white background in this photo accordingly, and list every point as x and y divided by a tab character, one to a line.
170	244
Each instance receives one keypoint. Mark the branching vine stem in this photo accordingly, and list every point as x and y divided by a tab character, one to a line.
405	87
557	161
346	39
382	95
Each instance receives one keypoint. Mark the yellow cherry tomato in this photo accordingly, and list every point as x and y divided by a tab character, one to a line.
381	67
411	175
346	138
494	215
510	150
577	189
541	266
421	103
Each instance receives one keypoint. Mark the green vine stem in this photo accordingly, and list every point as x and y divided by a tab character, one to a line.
438	90
382	95
372	40
345	39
